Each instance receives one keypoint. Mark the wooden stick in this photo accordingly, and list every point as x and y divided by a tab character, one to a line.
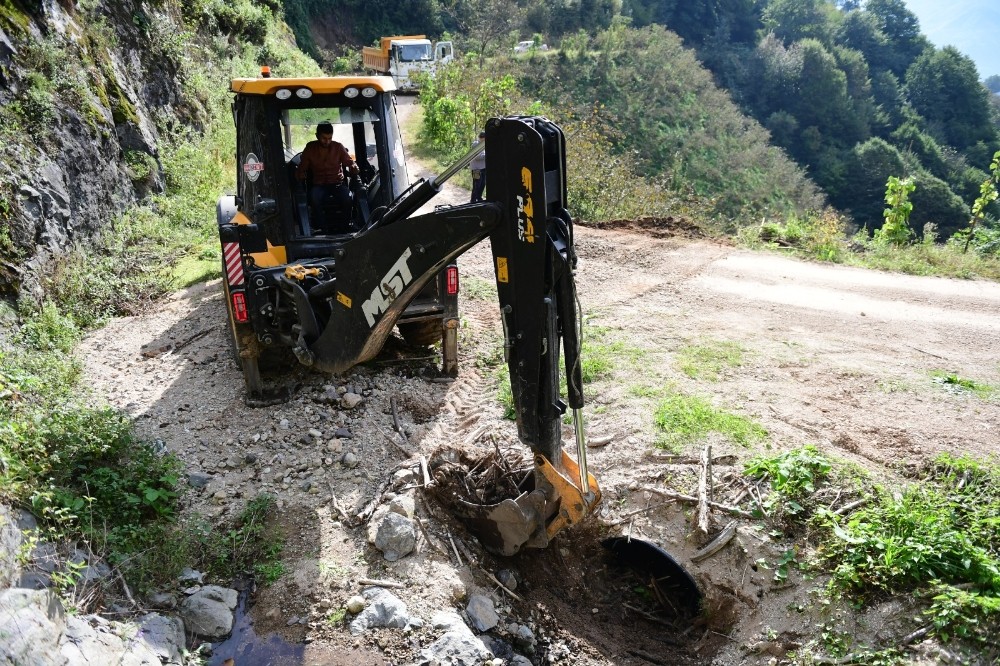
703	490
465	551
850	507
694	500
622	518
369	509
916	635
455	549
675	459
502	587
423	470
380	583
648	616
395	419
716	544
427	536
596	442
391	439
336	506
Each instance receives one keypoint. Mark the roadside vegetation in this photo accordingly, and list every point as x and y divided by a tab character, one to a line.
78	466
932	539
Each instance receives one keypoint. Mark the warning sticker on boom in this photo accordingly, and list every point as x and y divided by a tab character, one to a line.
502	270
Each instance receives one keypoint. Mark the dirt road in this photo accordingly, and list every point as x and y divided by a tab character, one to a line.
842	358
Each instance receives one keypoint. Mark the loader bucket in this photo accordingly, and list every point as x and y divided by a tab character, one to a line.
551	499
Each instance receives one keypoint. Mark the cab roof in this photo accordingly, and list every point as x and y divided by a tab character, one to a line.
319	85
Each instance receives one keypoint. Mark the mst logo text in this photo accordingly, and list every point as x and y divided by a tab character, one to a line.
389	288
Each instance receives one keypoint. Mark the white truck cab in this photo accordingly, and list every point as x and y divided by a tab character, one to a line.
402	57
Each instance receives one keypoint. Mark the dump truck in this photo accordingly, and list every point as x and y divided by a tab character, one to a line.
333	299
402	56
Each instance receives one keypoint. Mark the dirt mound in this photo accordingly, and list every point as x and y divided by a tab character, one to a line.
658	227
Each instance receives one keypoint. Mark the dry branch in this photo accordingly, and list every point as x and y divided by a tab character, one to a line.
336	506
423	471
392	440
502	586
716	544
694	500
704	483
626	516
596	442
850	507
395	419
380	583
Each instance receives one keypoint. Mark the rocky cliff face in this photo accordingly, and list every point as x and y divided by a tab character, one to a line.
85	89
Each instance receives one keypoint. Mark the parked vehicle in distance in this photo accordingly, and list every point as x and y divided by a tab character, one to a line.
402	56
524	47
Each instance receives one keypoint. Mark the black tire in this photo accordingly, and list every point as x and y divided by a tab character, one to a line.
421	333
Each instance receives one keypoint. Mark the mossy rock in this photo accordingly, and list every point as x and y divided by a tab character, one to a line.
16	17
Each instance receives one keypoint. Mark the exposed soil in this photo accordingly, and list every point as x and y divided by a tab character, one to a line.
837	357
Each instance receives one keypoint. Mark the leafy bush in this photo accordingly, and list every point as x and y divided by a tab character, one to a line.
941	529
895	229
817	235
793	476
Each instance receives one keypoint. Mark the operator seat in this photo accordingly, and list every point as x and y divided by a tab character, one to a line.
338	218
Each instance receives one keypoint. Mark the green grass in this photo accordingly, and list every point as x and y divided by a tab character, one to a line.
683	420
709	359
933	539
823	237
956	384
478	289
602	351
600	354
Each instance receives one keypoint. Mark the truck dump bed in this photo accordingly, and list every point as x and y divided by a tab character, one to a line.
377	57
374	58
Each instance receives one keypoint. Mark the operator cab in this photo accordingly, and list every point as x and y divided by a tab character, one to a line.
277	118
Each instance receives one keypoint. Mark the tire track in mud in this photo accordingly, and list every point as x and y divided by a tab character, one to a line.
470	409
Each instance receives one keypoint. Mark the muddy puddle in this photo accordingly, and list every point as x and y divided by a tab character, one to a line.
244	647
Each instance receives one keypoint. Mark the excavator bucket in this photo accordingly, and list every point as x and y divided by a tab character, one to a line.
550	500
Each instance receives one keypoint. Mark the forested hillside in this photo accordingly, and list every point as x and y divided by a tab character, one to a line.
852	91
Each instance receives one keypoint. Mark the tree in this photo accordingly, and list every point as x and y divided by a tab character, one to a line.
869	167
772	77
792	20
695	22
935	203
943	87
902	32
992	83
489	23
860	31
823	100
895	229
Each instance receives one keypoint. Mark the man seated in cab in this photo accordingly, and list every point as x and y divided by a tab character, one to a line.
323	162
